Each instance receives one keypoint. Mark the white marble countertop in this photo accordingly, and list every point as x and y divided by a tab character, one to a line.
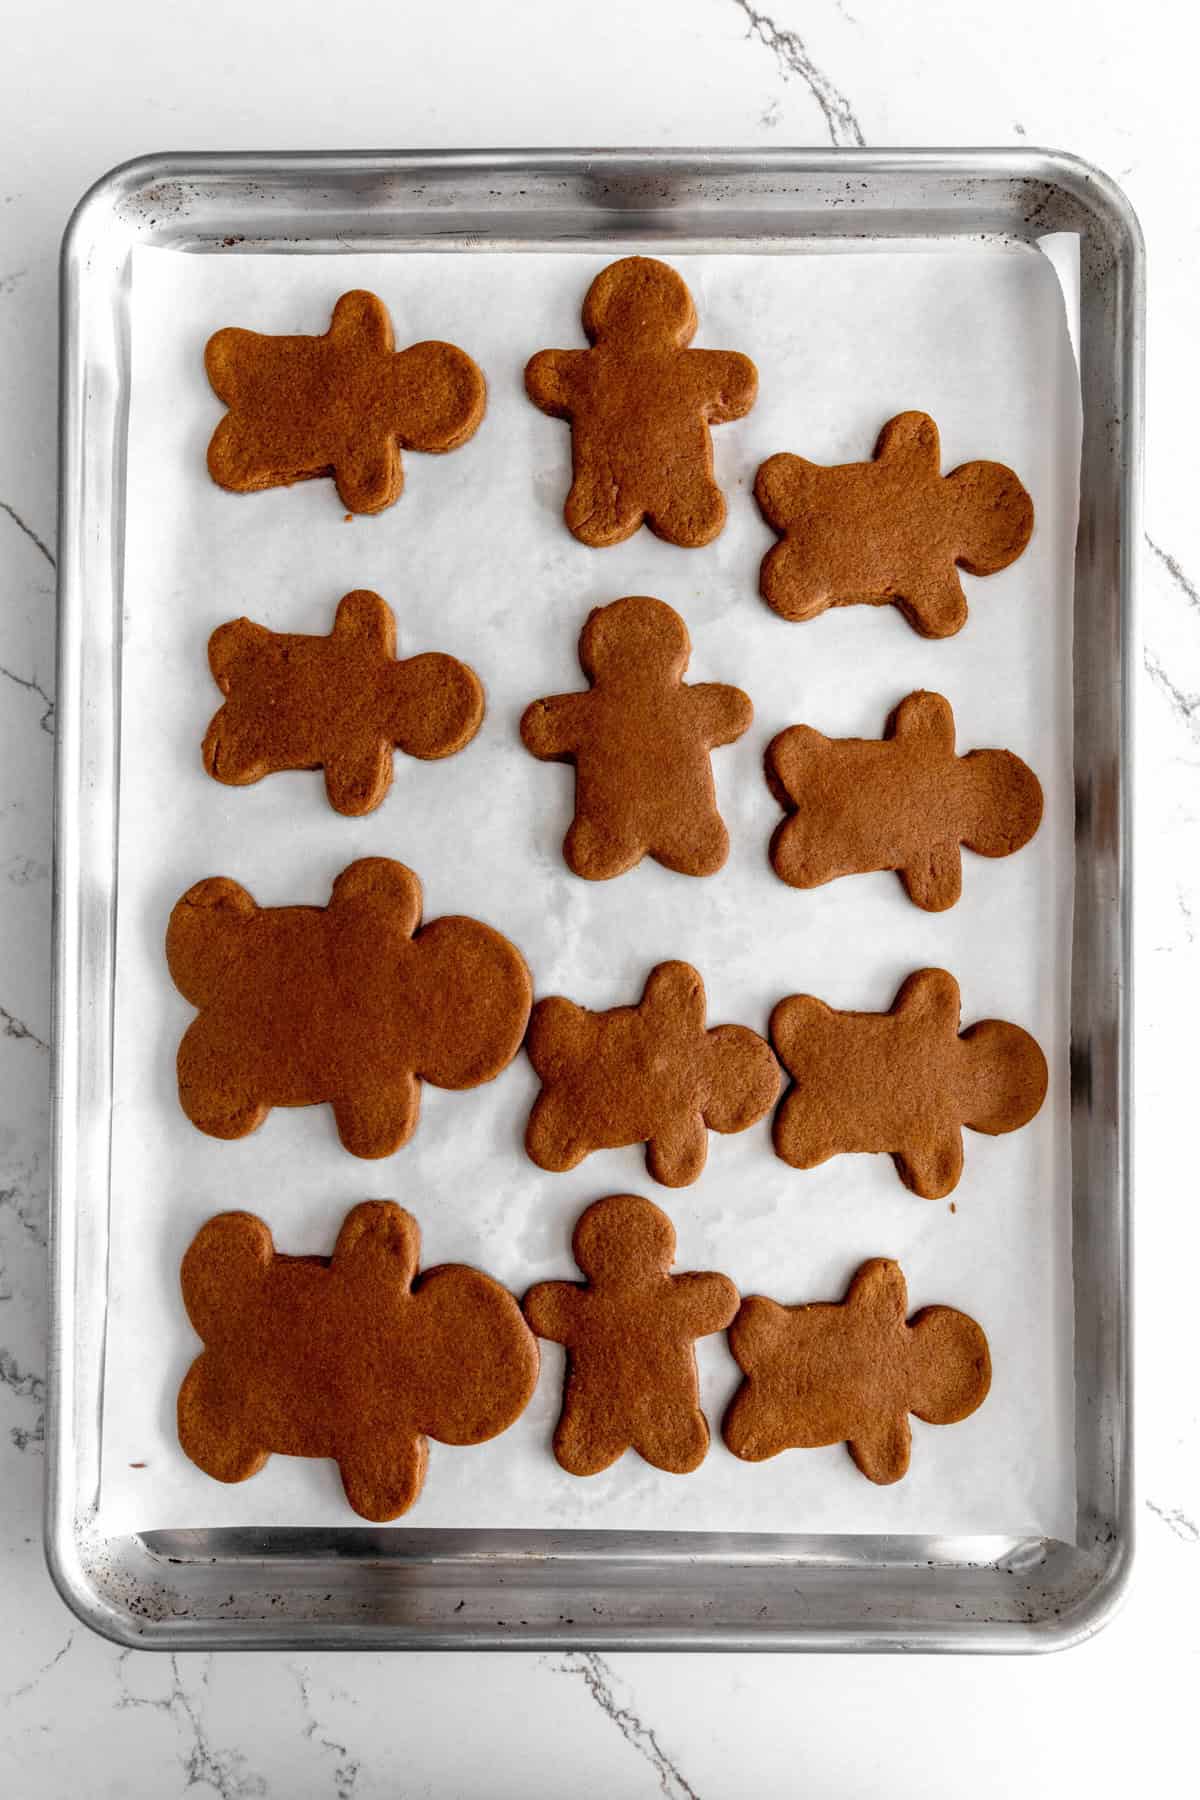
87	86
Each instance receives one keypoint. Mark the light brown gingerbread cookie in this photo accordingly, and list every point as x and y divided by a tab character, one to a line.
345	404
851	1372
629	1332
904	802
650	1073
342	703
641	405
891	531
904	1081
640	741
353	1356
348	1004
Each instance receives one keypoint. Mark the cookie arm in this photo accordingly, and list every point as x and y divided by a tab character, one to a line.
378	1123
551	728
678	1151
549	380
882	1449
704	1302
721	713
383	1471
933	881
933	1169
725	383
551	1307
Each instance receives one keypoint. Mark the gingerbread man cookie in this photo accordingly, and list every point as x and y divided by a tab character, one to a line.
851	1372
649	1073
640	404
906	802
352	1356
629	1332
342	703
348	1004
640	741
344	404
904	1081
889	531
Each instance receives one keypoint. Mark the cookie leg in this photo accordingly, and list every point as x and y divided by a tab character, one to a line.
698	846
358	781
792	584
384	1475
586	1439
596	851
378	1123
802	1132
882	1452
690	519
932	1170
214	1430
599	512
676	1155
218	1108
677	1443
554	1138
752	1429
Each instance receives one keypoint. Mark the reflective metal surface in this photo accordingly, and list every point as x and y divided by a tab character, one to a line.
360	1587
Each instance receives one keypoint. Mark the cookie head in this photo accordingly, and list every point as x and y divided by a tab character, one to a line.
949	1366
640	298
1002	802
993	516
634	638
623	1238
745	1078
1003	1077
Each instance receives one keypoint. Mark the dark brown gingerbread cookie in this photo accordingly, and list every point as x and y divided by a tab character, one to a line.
904	1081
629	1332
851	1372
640	405
344	404
640	741
348	1004
342	703
904	802
891	531
649	1073
353	1356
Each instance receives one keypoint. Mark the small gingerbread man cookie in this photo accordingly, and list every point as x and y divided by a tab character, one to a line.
350	1356
342	703
890	531
903	1082
646	1074
344	404
640	405
851	1371
629	1332
640	741
905	802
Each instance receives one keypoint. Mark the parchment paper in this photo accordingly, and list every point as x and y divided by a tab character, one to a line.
475	560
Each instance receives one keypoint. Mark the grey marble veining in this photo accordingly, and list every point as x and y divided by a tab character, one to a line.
85	88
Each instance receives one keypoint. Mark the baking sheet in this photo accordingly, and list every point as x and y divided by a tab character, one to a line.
475	561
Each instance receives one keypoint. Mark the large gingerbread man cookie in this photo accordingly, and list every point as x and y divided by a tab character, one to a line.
641	405
851	1372
893	531
640	741
345	404
650	1073
352	1356
905	802
903	1082
629	1332
347	1004
343	703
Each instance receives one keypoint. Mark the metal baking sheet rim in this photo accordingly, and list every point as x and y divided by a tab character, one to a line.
356	1588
